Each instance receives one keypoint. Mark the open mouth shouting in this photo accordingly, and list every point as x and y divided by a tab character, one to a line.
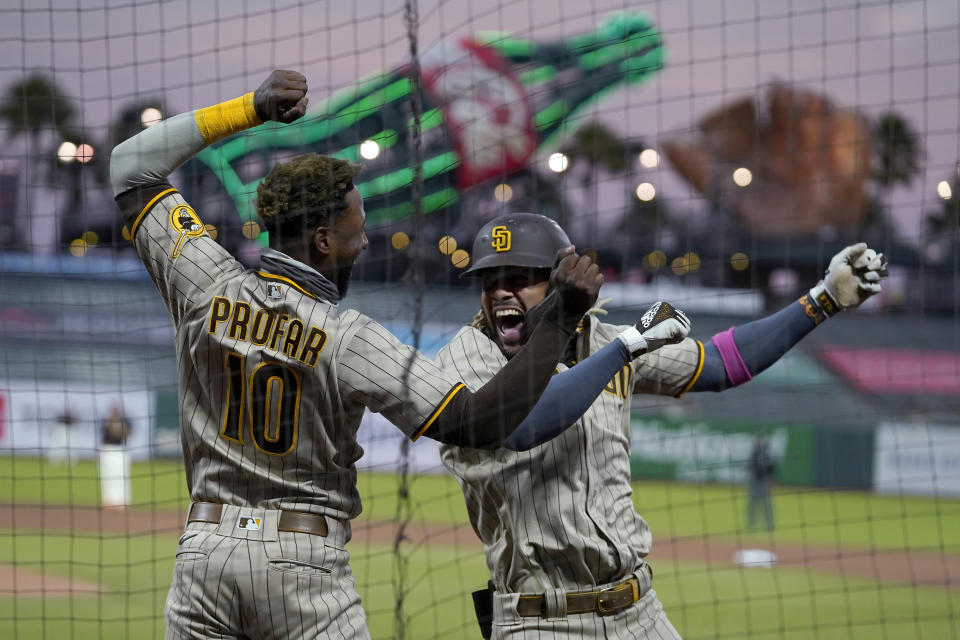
508	294
508	322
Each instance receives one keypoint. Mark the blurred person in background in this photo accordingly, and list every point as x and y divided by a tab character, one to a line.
761	471
60	448
115	460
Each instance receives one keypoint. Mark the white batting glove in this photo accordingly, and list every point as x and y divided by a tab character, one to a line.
853	276
661	324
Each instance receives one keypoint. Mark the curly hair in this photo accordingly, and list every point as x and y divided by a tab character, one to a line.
304	193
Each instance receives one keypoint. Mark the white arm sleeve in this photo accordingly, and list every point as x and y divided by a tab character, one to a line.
154	153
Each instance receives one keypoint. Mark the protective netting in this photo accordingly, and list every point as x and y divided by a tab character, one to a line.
712	154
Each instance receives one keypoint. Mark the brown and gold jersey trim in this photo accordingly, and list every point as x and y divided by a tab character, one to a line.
436	412
273	276
696	374
132	207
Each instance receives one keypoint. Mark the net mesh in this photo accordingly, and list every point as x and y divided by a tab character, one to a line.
715	155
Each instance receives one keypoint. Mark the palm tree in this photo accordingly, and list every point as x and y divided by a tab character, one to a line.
598	146
595	147
34	105
128	121
540	193
31	107
896	160
897	151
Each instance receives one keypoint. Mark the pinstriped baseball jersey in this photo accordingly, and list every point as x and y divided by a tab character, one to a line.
561	514
273	378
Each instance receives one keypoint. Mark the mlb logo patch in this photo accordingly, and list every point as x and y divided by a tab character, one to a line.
273	290
249	523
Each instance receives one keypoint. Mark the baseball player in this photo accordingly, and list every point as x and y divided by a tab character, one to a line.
274	378
565	548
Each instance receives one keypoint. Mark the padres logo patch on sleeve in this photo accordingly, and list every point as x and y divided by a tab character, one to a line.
186	223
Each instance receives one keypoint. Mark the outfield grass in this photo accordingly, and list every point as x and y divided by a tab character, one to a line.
158	484
793	604
436	592
702	601
812	516
136	570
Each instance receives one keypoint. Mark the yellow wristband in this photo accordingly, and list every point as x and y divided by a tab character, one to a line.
226	118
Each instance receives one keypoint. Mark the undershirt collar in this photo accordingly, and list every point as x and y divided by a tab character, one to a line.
278	263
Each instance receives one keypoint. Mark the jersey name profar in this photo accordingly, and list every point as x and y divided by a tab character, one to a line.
268	329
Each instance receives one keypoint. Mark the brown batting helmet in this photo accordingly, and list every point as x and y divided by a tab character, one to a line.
517	240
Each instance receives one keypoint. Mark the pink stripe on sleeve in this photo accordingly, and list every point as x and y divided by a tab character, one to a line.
736	369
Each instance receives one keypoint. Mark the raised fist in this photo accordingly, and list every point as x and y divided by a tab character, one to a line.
281	97
661	324
577	281
853	276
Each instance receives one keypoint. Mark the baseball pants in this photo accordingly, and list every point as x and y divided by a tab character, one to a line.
644	620
242	578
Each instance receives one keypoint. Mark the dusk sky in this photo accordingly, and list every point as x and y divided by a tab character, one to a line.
875	56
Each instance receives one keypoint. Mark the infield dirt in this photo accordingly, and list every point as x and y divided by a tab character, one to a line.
914	567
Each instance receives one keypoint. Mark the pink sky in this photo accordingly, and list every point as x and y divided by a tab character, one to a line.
872	55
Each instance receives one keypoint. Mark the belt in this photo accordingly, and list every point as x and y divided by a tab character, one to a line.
603	601
296	521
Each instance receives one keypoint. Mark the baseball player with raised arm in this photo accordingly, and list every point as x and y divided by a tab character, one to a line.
274	377
566	550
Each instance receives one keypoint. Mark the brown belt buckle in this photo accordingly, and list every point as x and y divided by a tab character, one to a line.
614	599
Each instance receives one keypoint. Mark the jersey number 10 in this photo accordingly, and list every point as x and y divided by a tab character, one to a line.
269	402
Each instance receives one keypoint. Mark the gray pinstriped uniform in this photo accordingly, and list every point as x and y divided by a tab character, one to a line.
560	516
273	382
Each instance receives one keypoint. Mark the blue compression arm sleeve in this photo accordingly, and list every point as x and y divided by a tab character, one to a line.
760	343
567	396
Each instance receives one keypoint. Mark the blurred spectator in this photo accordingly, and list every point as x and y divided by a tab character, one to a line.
761	469
116	428
59	450
115	460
